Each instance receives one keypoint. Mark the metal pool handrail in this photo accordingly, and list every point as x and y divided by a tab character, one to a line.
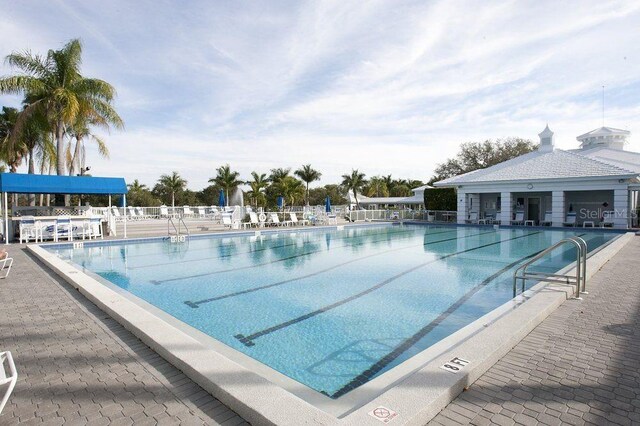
580	279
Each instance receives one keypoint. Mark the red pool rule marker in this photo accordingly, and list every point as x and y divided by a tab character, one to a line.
383	414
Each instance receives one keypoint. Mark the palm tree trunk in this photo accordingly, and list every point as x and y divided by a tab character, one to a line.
355	195
307	194
76	155
173	201
32	170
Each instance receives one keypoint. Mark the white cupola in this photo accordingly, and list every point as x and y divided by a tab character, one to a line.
546	140
604	137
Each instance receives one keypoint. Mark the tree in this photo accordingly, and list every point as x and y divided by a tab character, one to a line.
308	175
136	186
317	196
291	189
12	152
55	86
377	187
354	182
258	184
226	179
139	195
479	155
171	184
400	190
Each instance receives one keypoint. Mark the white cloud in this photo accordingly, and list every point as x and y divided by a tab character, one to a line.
387	87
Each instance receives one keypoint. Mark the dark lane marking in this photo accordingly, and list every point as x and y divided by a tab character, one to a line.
251	290
366	375
248	340
262	249
206	274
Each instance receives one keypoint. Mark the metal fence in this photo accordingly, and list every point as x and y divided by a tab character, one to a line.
439	216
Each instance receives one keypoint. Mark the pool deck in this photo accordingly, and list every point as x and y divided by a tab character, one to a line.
581	365
78	366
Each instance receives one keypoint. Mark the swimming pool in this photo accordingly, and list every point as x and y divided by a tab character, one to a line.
331	309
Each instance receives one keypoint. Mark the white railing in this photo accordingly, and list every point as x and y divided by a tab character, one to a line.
440	216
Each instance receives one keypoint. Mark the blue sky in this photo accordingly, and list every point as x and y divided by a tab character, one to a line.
383	86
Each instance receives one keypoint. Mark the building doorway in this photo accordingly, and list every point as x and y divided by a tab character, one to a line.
533	209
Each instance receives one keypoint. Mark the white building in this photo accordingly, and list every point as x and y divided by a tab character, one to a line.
600	176
416	201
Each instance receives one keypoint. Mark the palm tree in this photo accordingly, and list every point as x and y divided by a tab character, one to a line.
278	174
354	182
308	175
81	131
172	183
136	186
290	189
377	187
11	153
258	184
227	180
54	85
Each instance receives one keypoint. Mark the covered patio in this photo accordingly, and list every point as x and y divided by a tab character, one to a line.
15	183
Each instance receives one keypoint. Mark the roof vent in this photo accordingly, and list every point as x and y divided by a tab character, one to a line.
546	140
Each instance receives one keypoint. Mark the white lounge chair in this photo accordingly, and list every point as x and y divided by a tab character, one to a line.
275	220
92	228
6	263
142	214
607	219
570	220
30	228
226	220
115	212
473	218
548	218
294	220
519	220
8	376
394	216
202	211
187	212
132	214
486	220
253	221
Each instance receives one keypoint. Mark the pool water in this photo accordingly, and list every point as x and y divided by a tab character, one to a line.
330	308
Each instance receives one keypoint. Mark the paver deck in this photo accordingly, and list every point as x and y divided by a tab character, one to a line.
76	365
580	366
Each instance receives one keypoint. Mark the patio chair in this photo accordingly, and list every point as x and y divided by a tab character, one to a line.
226	220
132	214
473	218
141	213
6	263
186	211
92	228
164	212
294	220
62	225
548	218
570	219
115	212
202	211
8	376
30	228
331	219
519	220
253	221
394	216
275	220
486	220
607	219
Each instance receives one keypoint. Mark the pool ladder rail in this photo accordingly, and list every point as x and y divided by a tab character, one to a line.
177	236
579	280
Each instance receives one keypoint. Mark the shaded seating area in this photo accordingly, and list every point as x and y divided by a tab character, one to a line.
58	227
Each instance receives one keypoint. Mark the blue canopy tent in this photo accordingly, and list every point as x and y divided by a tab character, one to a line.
17	183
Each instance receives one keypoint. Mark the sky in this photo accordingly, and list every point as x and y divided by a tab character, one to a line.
387	87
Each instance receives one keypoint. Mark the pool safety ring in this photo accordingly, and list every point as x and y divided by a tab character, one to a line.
262	217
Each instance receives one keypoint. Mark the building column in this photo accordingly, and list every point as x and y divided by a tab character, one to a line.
557	207
506	208
462	206
621	208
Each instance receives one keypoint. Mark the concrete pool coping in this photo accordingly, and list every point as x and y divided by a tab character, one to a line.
416	398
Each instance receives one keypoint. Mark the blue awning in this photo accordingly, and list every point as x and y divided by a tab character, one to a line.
17	183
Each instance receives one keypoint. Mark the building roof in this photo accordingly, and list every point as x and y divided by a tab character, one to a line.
604	131
628	160
18	183
557	164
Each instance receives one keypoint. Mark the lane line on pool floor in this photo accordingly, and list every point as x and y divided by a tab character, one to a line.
368	374
248	340
284	259
279	283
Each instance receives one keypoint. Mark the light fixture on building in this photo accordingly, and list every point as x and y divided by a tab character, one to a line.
530	186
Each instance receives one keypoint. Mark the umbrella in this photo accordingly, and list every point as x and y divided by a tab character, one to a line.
327	205
221	201
280	201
